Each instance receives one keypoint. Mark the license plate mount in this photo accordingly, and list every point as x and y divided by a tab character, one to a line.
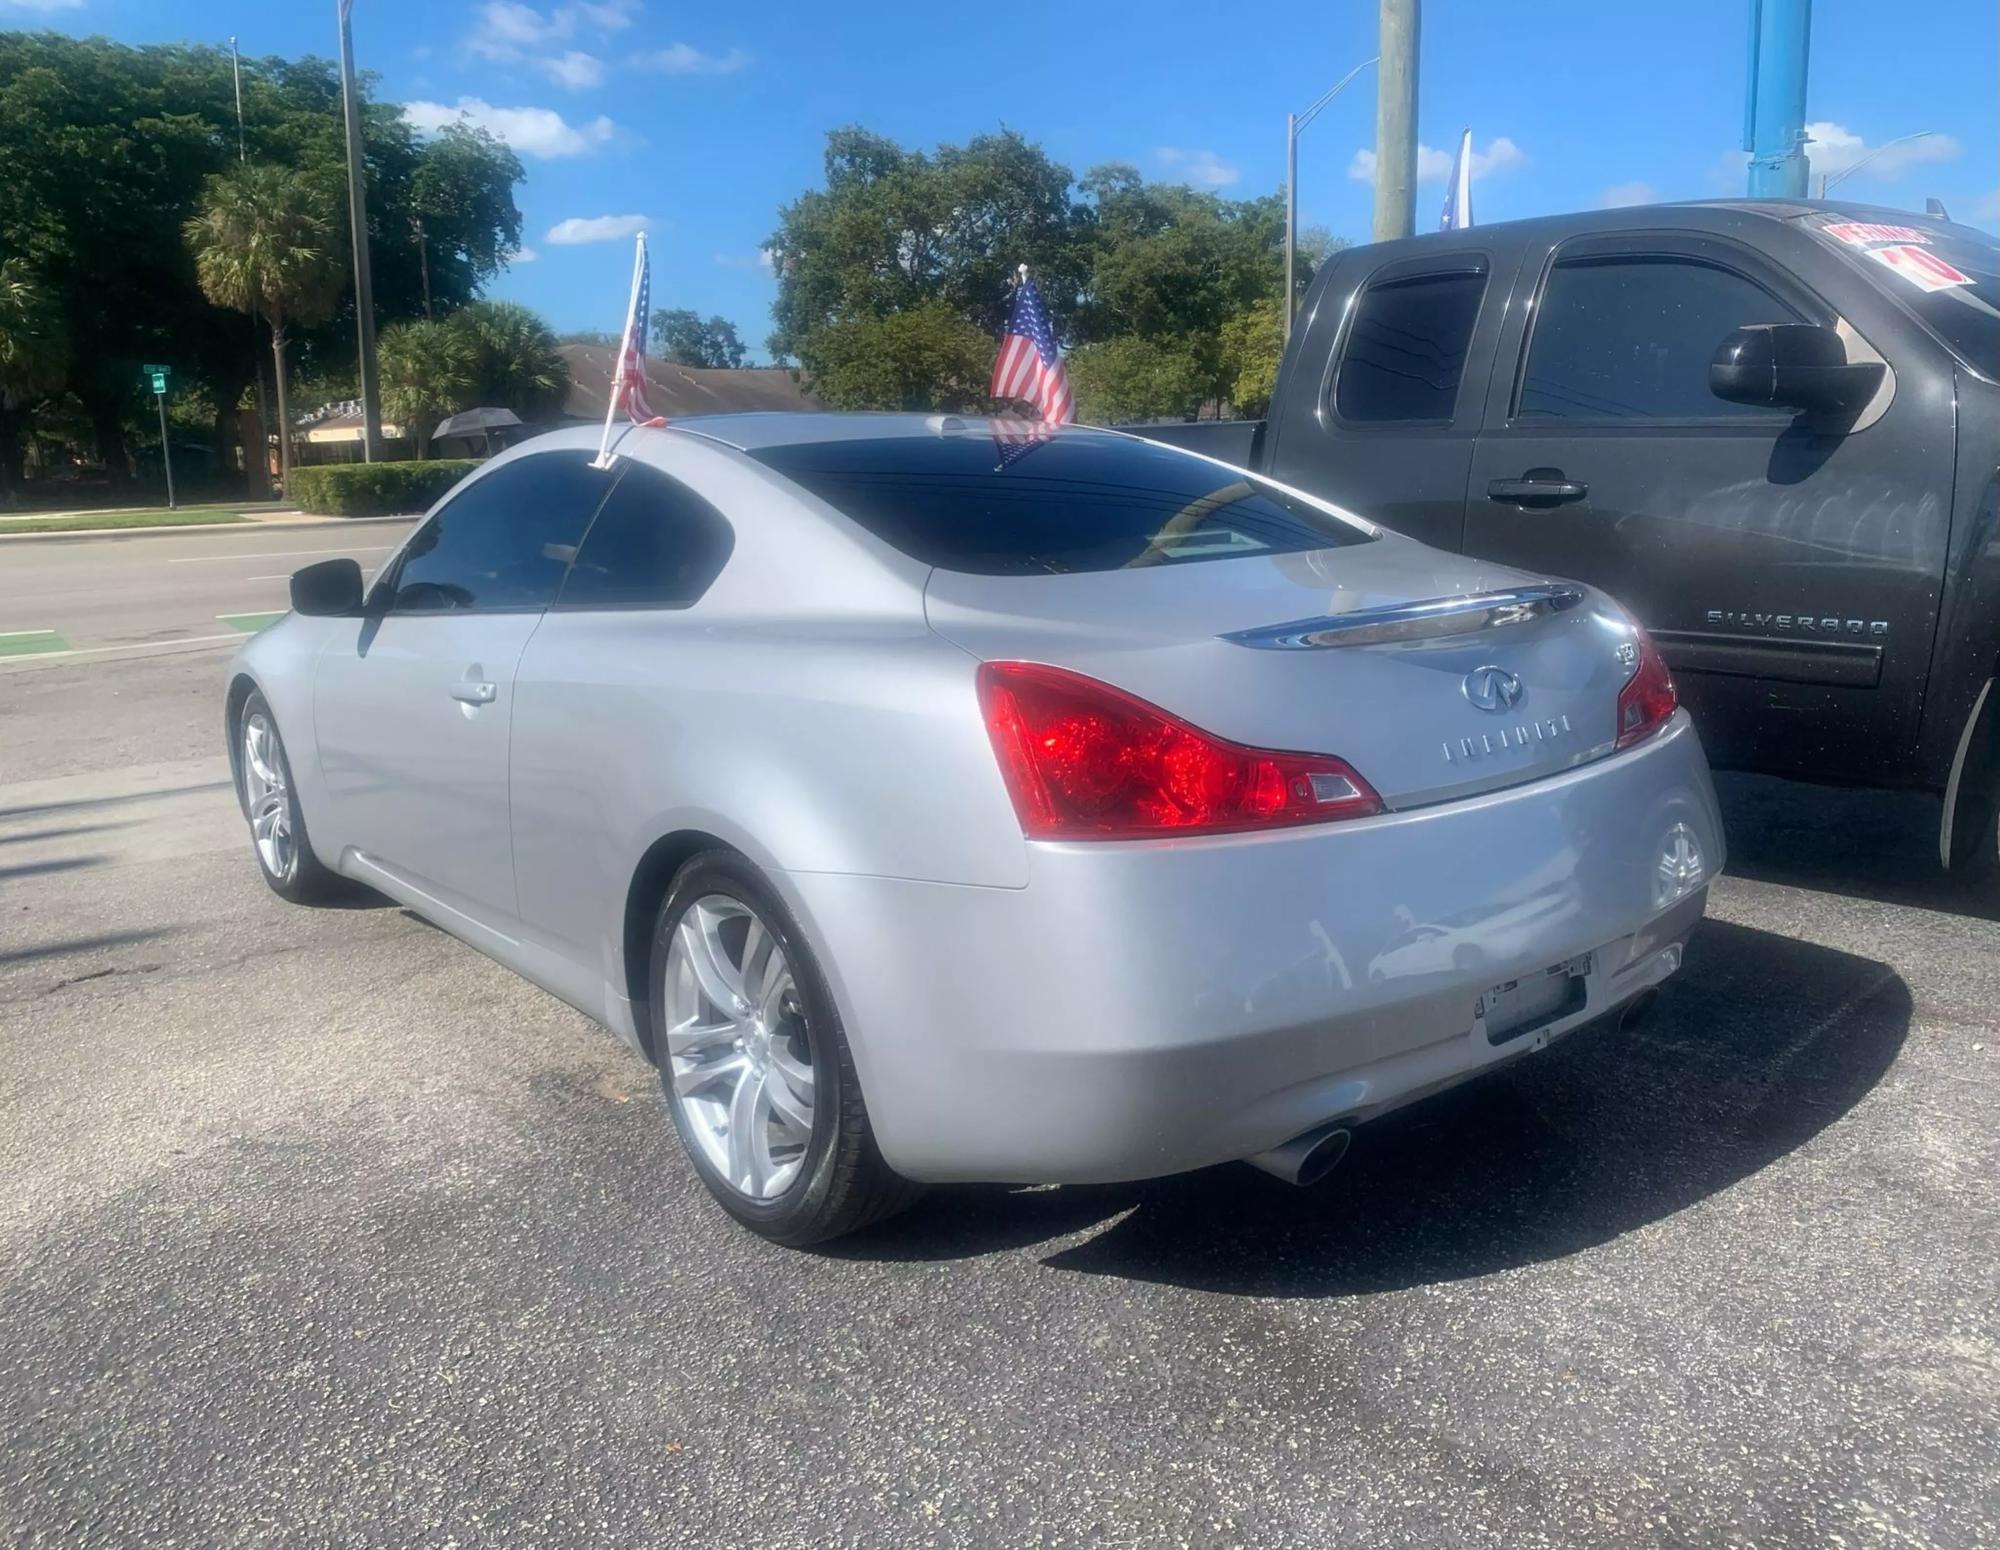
1527	1005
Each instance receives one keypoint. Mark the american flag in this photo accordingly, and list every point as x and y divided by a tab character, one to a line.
628	385
1030	367
1014	439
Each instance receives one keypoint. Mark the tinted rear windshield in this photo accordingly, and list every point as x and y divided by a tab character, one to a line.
995	505
1948	275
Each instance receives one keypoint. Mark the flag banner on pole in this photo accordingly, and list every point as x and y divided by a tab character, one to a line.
628	380
1458	191
1029	367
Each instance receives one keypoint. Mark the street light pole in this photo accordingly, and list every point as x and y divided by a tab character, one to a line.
1828	180
1295	123
357	205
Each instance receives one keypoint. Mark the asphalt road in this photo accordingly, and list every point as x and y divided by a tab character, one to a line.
143	591
320	1229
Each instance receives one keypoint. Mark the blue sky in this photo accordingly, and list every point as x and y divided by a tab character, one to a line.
701	121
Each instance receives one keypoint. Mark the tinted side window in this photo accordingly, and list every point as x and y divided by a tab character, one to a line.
1406	349
505	541
655	544
1631	338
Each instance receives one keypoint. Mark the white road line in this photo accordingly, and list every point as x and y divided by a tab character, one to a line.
286	577
278	554
142	648
22	634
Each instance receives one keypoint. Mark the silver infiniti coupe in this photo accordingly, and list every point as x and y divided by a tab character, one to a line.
934	800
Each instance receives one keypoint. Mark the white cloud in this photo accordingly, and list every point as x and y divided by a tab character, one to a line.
761	259
541	132
506	29
1434	166
1619	194
579	229
1988	209
41	5
574	69
611	15
1832	149
1202	169
686	59
522	256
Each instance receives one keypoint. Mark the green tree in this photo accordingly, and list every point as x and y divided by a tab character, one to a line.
1252	343
34	353
682	337
515	363
925	357
896	229
427	373
263	243
1133	378
107	149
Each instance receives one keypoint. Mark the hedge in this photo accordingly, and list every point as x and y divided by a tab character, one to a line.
376	489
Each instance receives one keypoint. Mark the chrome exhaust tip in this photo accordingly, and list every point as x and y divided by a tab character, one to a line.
1307	1158
1636	1010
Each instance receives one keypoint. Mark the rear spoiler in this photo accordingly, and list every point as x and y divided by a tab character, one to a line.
1429	619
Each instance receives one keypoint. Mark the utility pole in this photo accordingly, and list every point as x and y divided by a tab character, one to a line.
1396	122
1774	106
357	205
236	69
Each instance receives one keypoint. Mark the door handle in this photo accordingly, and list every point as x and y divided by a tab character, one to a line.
1537	487
475	693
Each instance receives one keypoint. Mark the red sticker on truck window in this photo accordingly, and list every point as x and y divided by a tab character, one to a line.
1921	267
1861	233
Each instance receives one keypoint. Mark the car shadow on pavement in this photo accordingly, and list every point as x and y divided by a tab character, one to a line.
1762	1042
1879	845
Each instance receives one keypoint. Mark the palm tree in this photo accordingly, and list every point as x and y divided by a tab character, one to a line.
426	374
34	354
265	243
515	361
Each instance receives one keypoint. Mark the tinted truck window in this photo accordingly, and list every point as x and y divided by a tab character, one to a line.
1406	348
1078	501
1632	338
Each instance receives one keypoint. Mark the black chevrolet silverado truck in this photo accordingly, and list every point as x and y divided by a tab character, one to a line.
1771	429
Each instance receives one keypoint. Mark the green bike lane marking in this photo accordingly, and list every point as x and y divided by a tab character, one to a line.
30	643
250	624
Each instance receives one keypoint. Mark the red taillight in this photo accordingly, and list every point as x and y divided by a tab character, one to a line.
1648	698
1083	760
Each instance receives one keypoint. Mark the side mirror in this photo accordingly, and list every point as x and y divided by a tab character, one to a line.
1791	366
328	590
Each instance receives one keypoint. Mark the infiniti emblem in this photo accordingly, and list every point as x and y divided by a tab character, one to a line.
1492	688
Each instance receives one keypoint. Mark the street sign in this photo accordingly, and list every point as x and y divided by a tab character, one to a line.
159	382
159	374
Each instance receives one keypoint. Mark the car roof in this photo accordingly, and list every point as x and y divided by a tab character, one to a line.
1696	214
781	428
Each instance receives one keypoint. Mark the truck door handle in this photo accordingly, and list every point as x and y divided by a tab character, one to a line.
1537	487
475	693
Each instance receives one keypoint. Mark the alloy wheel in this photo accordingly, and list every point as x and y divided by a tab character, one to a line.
267	794
740	1063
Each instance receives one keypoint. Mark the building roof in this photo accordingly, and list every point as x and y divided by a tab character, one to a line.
675	391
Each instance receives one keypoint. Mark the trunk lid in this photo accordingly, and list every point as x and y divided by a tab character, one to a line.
1375	653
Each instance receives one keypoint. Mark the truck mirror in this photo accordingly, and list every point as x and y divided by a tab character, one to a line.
1800	366
327	590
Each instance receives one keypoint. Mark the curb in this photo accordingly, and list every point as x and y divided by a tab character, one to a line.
284	524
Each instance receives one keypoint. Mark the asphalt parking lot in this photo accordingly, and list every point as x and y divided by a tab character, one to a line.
319	1229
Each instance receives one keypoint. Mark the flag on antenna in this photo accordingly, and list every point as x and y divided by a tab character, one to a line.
1029	366
1458	192
628	380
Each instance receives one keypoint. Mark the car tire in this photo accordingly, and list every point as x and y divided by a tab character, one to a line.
270	802
723	936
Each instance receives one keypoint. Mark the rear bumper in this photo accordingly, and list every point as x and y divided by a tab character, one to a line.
1147	1008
